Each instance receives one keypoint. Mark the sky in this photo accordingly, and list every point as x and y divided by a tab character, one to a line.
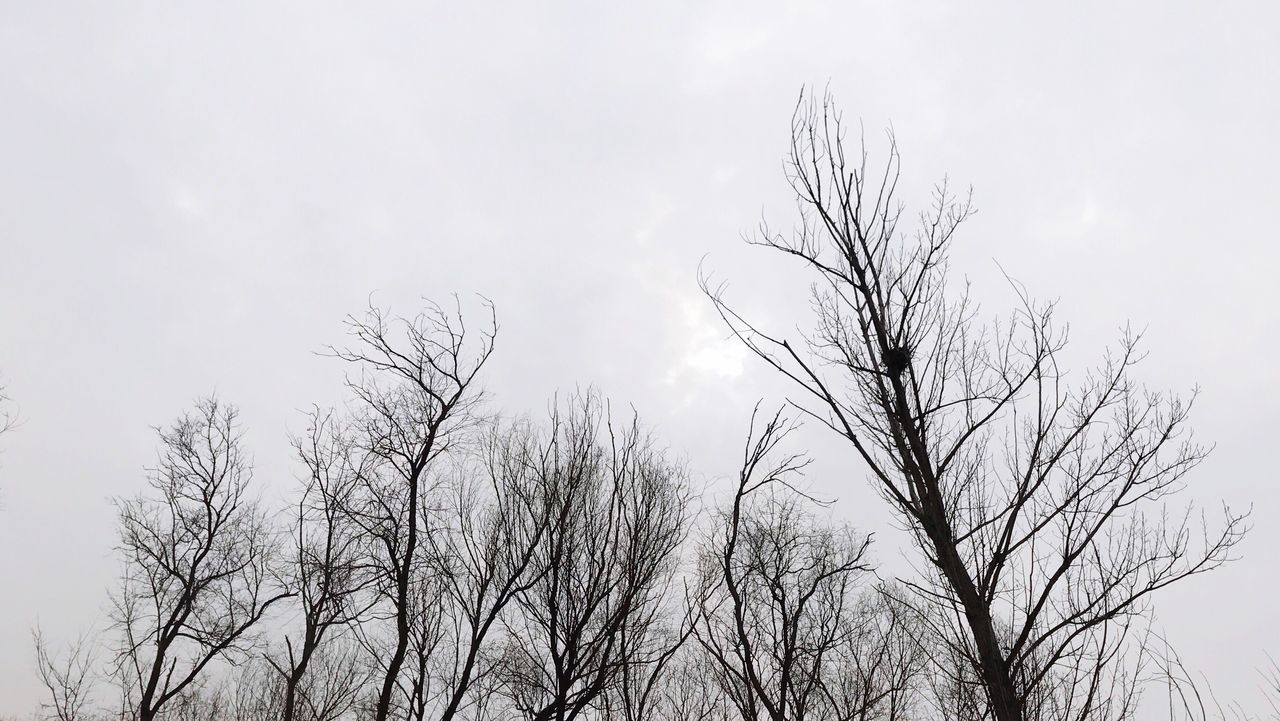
194	195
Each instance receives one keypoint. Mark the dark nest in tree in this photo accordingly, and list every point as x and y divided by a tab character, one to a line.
896	360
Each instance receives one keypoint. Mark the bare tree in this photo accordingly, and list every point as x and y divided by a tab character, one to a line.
687	689
336	677
1271	686
70	679
644	689
199	701
415	393
1038	501
196	555
337	682
428	635
326	565
7	417
606	564
880	664
781	618
256	692
491	520
1190	697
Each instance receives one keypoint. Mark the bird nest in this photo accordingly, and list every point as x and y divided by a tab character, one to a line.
896	360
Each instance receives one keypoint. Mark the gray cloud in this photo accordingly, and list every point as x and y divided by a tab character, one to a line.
193	198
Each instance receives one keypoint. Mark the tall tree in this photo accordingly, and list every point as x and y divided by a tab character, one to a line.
1037	499
415	394
196	553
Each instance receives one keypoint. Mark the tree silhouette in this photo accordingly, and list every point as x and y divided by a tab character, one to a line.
197	554
415	394
325	567
605	564
786	616
69	679
7	418
1038	500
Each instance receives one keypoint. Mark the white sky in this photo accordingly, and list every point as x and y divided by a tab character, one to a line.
193	198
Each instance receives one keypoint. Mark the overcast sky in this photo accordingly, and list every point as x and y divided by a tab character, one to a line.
192	199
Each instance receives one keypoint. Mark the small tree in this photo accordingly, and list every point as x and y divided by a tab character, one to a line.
196	553
618	514
7	418
69	679
783	617
1038	500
